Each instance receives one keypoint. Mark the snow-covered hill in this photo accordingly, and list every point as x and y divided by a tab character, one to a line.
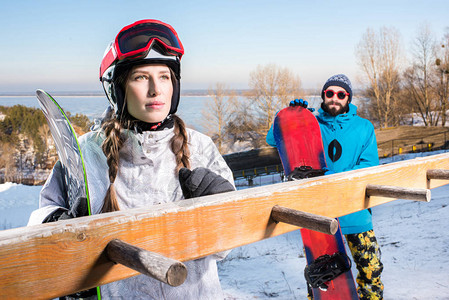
414	240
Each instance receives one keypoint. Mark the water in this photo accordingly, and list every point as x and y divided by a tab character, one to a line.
189	109
91	106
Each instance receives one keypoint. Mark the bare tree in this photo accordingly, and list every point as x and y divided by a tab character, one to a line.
442	69
242	129
379	56
420	78
7	161
272	88
217	115
48	145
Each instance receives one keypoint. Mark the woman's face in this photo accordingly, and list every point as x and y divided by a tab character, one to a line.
149	91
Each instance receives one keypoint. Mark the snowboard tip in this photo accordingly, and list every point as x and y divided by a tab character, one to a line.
40	92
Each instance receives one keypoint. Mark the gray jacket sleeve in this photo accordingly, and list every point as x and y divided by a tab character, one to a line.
52	196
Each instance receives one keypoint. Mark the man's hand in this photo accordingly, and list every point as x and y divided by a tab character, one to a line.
299	102
302	103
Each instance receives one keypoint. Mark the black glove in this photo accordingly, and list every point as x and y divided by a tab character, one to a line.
78	209
305	172
202	182
302	103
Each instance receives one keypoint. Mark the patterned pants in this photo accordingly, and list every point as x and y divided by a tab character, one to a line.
366	254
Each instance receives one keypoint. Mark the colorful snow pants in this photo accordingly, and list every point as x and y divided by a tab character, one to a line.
366	254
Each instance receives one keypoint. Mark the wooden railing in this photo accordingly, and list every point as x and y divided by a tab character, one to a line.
30	257
433	142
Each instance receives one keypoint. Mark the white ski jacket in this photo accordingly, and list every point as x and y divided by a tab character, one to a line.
146	177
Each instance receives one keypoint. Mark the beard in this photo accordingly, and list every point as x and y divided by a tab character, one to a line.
336	109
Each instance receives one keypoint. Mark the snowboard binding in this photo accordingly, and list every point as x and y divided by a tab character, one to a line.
326	268
305	172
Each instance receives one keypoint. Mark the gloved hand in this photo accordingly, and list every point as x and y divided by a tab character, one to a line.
202	182
299	102
78	209
302	103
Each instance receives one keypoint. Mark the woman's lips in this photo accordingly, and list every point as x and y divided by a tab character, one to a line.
155	105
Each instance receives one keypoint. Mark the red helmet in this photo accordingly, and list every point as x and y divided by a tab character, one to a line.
143	42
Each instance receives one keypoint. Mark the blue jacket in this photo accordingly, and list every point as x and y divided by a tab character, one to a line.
349	144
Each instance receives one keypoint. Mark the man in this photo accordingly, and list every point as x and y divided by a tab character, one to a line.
350	143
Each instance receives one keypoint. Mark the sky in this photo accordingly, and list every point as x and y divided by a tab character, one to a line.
58	45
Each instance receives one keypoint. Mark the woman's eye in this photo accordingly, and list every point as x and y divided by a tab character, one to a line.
140	77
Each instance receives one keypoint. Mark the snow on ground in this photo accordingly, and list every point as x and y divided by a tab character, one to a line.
16	204
413	236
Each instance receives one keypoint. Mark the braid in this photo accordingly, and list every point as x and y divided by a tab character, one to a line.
179	144
111	147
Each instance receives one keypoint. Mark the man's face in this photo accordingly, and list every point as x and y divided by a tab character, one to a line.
332	101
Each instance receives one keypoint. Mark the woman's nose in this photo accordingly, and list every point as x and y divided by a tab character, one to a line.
153	88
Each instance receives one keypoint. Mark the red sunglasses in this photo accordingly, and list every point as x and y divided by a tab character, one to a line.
340	94
135	41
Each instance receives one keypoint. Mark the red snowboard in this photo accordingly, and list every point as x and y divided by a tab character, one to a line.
298	140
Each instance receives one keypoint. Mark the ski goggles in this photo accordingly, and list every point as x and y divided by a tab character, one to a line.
340	94
134	41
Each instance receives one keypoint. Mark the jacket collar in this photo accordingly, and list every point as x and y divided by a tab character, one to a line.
341	118
139	147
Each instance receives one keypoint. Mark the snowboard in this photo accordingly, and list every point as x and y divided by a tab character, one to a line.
68	149
298	140
67	146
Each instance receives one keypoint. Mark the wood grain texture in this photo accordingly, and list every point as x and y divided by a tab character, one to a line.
396	192
69	255
438	174
305	220
152	264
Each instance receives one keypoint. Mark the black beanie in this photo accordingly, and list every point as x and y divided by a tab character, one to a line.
340	80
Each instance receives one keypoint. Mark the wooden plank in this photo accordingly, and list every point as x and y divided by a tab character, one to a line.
50	260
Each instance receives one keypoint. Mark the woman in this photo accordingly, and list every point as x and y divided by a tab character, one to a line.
143	155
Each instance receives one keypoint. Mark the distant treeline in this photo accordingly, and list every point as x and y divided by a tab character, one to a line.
21	120
25	138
